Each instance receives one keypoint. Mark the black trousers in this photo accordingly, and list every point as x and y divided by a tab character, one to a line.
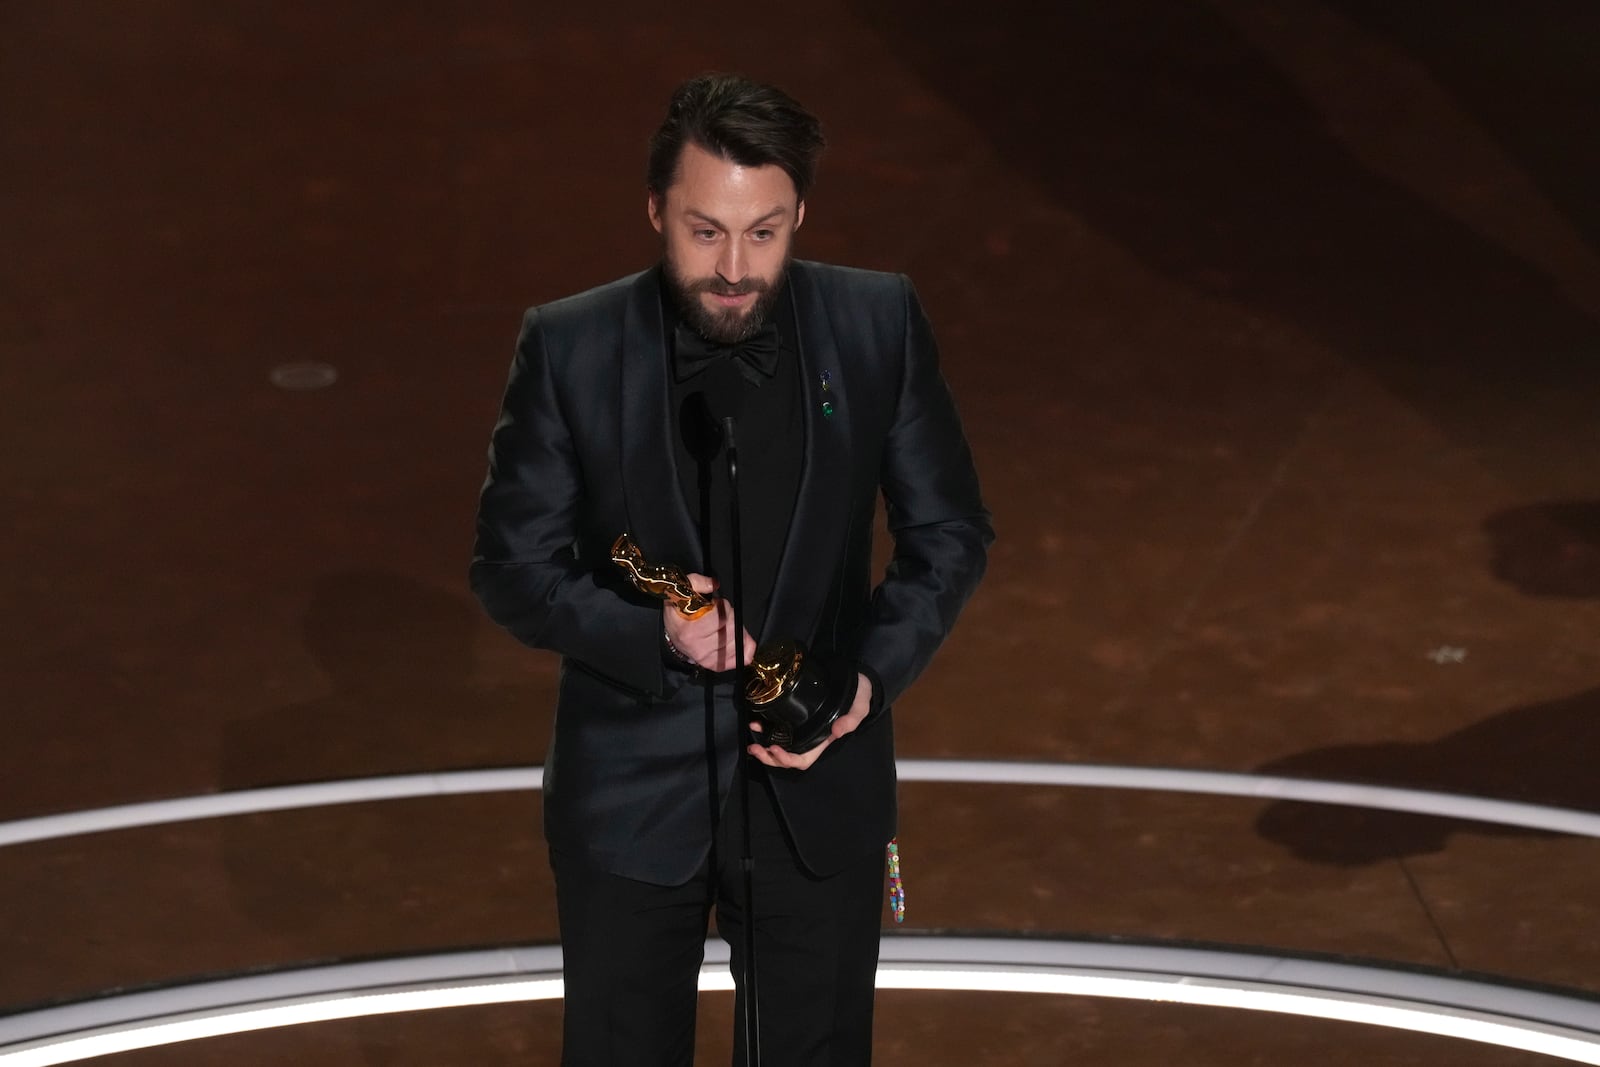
632	953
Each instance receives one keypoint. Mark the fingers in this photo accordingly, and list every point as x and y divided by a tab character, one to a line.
701	583
783	759
863	701
707	639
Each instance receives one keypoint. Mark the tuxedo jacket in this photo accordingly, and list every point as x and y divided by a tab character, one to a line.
642	754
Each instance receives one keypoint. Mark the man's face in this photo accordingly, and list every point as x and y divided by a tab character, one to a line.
726	231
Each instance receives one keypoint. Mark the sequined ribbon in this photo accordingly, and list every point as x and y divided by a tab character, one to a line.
897	887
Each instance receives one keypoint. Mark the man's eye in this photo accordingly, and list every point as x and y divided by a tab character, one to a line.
762	235
705	235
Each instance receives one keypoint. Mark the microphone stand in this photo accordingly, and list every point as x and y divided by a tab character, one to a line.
747	863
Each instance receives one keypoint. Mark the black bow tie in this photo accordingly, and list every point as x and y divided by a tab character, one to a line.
757	354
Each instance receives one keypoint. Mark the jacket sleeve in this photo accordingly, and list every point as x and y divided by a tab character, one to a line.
525	566
940	528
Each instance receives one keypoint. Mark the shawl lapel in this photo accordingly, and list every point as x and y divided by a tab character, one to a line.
817	532
657	517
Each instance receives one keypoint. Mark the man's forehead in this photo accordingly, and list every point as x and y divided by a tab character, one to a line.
728	210
711	214
702	173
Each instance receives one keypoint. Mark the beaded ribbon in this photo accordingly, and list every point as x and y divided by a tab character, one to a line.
897	887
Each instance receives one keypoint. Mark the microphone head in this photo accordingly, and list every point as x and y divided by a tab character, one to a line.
702	436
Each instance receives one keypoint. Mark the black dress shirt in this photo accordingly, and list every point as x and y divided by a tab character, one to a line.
770	434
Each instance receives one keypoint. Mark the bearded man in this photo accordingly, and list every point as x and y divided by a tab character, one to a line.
614	420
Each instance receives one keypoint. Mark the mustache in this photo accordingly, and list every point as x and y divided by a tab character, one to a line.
717	287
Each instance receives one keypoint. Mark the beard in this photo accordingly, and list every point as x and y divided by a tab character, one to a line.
726	326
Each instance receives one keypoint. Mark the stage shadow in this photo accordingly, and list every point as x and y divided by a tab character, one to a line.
1538	754
398	656
1547	550
1164	128
398	659
1532	111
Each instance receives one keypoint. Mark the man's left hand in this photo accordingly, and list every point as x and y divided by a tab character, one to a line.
777	756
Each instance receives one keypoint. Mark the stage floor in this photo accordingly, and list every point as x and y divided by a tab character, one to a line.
1275	328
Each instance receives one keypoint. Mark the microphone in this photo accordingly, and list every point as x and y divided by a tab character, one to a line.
752	994
698	427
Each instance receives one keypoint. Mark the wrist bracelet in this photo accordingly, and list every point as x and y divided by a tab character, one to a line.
674	648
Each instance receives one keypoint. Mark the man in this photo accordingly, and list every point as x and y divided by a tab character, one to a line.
614	421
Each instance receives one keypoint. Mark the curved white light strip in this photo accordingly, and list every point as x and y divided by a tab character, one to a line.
1560	1026
997	772
1258	786
278	798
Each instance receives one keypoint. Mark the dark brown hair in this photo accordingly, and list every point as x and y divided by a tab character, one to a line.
753	125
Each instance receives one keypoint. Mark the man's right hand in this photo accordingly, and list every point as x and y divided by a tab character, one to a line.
706	641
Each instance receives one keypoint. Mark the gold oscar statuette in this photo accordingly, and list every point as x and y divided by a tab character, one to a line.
796	695
667	582
773	672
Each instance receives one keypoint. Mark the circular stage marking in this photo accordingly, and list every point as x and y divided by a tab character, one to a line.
303	377
1555	1024
1565	1027
993	772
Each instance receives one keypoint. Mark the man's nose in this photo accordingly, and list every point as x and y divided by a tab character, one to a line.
732	264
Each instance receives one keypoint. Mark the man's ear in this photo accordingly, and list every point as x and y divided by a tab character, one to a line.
652	207
799	214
